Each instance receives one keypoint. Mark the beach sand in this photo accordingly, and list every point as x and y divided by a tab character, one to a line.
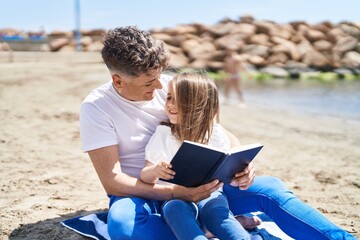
46	178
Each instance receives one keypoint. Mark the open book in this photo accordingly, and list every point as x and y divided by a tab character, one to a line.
196	164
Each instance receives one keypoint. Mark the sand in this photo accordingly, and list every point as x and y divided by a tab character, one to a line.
46	178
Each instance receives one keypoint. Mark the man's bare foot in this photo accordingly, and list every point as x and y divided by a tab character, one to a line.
248	223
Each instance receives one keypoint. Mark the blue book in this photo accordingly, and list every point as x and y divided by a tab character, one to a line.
196	164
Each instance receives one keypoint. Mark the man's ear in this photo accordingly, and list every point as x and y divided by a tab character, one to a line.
117	81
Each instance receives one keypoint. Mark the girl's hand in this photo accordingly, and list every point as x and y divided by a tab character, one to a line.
245	178
163	170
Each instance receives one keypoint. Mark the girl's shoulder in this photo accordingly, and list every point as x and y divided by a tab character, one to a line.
219	137
159	136
218	127
163	128
162	132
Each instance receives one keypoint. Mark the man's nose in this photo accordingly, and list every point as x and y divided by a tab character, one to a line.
157	84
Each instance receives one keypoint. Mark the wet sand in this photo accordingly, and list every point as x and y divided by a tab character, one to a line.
45	177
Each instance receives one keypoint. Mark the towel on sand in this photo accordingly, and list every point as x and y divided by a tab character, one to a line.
95	226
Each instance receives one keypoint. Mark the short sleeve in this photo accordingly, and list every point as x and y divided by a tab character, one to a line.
96	128
160	146
219	138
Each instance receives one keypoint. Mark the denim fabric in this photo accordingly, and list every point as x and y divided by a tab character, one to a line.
294	217
136	218
214	215
181	217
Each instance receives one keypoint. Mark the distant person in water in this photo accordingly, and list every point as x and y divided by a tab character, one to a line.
233	66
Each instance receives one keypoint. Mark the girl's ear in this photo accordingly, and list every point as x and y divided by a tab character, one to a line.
117	81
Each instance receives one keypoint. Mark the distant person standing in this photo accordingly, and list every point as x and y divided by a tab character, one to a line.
233	66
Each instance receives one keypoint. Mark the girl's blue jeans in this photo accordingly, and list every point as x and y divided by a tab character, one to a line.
136	218
211	213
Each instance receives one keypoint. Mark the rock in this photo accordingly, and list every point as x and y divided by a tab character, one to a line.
345	44
351	59
163	37
215	66
94	46
350	30
199	50
5	47
323	46
277	58
247	19
180	29
260	39
316	59
314	35
264	27
256	60
299	66
297	24
334	34
234	41
85	41
257	50
199	63
219	30
58	43
342	72
304	47
178	58
286	47
276	72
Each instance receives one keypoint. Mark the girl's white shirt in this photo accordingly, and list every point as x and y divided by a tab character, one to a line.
163	145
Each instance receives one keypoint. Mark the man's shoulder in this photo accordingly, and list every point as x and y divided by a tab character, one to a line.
98	93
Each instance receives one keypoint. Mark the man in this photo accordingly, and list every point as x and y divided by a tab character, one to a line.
116	121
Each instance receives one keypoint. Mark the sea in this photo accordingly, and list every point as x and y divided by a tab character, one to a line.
340	98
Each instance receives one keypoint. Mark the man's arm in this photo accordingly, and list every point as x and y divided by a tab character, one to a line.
245	178
106	163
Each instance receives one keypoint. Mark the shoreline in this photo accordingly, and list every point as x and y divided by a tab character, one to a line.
46	178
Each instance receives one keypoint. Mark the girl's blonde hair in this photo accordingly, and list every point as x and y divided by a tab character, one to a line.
197	102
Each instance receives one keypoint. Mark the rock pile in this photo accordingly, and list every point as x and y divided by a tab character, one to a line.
295	45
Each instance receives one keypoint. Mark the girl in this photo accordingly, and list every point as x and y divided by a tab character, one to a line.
192	106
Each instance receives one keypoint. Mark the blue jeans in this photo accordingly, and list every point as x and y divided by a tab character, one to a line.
213	214
136	218
294	217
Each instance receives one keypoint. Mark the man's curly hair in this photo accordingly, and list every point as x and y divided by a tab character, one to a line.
131	51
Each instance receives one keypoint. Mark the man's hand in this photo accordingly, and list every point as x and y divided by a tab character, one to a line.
245	178
195	194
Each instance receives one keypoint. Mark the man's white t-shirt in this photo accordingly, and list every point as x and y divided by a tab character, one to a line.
108	119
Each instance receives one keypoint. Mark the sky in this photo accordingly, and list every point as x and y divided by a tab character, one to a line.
54	15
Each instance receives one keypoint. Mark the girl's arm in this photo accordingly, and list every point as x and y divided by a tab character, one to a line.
152	172
234	141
